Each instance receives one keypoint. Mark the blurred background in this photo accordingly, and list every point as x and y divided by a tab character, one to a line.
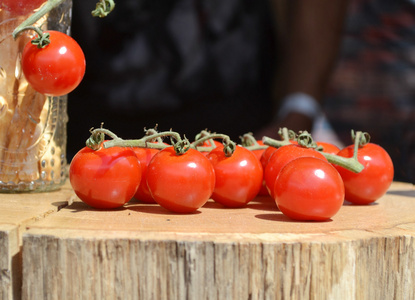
191	65
185	65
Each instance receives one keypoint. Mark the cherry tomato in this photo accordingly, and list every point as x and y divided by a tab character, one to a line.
375	179
238	177
266	155
180	183
328	147
58	68
281	157
20	7
144	156
105	178
309	189
268	152
259	153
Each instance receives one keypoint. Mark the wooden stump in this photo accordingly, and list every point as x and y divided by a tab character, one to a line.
144	252
17	211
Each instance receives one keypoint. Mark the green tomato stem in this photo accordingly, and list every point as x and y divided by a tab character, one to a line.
103	8
275	143
228	145
33	18
351	163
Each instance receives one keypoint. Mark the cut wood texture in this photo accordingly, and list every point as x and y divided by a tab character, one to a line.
17	211
144	252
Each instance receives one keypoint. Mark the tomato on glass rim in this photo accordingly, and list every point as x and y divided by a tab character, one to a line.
181	183
105	178
309	189
57	68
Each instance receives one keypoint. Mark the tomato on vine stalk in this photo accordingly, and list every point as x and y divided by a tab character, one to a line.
309	189
238	174
376	177
258	149
53	63
181	181
144	156
179	177
281	157
104	177
286	153
55	69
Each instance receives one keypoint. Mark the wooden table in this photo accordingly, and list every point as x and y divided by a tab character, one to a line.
144	252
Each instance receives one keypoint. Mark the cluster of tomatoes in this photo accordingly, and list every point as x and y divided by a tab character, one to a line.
303	181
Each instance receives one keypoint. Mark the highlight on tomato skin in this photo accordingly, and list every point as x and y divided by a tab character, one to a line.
58	68
374	180
280	158
106	178
309	189
180	183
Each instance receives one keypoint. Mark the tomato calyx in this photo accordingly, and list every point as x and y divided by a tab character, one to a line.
103	8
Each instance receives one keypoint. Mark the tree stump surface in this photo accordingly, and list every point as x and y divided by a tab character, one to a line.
142	251
17	211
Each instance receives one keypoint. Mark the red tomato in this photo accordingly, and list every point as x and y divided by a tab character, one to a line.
266	155
281	157
180	183
238	177
329	148
20	7
268	152
144	156
375	179
309	189
259	153
58	68
105	178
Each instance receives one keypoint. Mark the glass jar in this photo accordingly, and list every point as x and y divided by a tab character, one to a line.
32	125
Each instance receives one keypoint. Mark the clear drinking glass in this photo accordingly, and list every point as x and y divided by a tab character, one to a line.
32	125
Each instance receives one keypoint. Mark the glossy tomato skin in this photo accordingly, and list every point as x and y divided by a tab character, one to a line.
144	156
374	180
238	177
309	189
105	178
280	158
328	147
180	183
58	68
259	153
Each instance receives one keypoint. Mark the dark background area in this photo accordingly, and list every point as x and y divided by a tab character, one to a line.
185	65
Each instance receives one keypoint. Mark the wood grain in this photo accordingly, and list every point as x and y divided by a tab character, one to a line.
144	252
17	211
